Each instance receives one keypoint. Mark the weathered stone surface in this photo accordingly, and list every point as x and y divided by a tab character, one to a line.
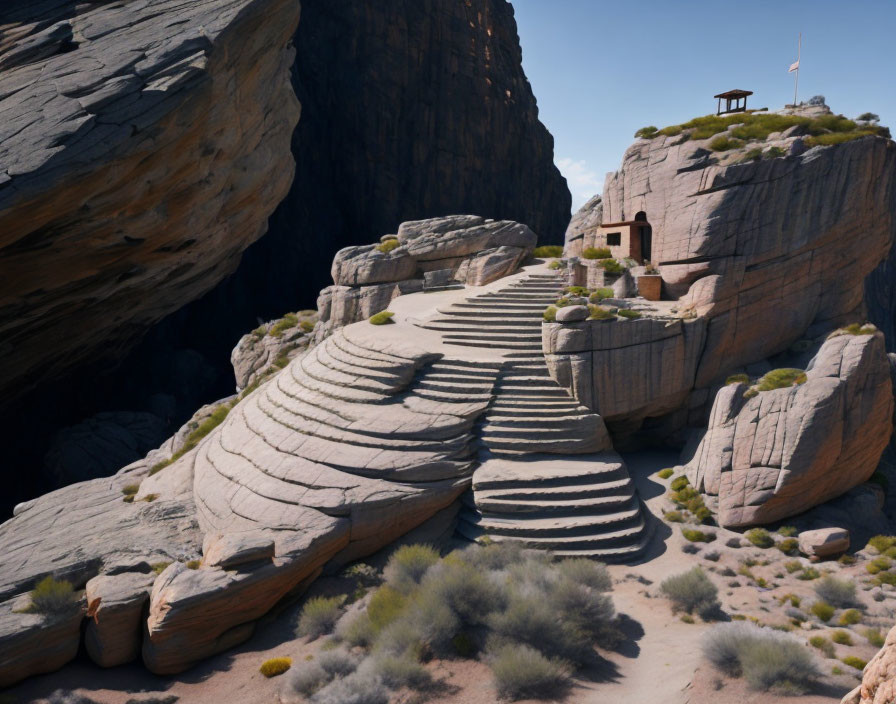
824	542
172	121
625	369
878	678
728	241
31	644
102	444
228	551
434	253
115	606
268	348
572	314
584	222
786	450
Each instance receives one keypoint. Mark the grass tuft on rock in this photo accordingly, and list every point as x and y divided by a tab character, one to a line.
596	253
628	314
52	597
290	320
388	246
196	436
760	537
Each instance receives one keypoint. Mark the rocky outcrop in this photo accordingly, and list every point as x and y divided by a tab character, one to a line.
878	678
765	251
776	453
143	149
425	255
271	346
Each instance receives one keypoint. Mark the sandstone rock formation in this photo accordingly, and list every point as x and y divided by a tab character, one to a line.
764	250
428	255
135	172
879	677
783	451
370	433
410	109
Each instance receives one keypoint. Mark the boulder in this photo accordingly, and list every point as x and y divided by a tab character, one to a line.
32	644
824	542
878	678
572	314
784	451
114	616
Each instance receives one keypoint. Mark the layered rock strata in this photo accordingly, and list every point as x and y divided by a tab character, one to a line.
143	148
782	451
425	255
353	444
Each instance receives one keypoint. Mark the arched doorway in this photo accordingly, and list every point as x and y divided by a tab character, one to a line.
646	233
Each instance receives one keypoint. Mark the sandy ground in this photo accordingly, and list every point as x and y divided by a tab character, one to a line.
660	662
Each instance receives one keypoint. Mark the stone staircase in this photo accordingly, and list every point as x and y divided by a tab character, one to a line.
545	476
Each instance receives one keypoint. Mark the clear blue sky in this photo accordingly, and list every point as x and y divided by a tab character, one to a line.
601	69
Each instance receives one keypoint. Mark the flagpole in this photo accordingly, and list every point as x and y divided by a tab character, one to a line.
796	80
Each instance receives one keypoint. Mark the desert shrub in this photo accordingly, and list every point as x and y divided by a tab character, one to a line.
596	253
880	563
823	611
760	538
319	615
841	637
628	314
407	565
690	591
532	621
767	659
885	578
548	250
850	617
337	663
290	320
673	517
823	644
523	672
648	132
388	245
697	536
846	559
853	661
789	546
600	294
580	291
788	531
306	678
159	567
599	313
495	555
275	666
690	549
382	318
875	637
385	606
793	566
712	555
555	265
193	564
611	266
306	325
356	630
397	672
357	688
839	592
724	144
550	314
586	573
737	379
130	490
678	483
665	473
781	379
808	574
781	664
52	597
795	614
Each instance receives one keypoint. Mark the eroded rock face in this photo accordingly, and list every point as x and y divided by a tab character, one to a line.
879	677
143	148
765	251
783	451
430	254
